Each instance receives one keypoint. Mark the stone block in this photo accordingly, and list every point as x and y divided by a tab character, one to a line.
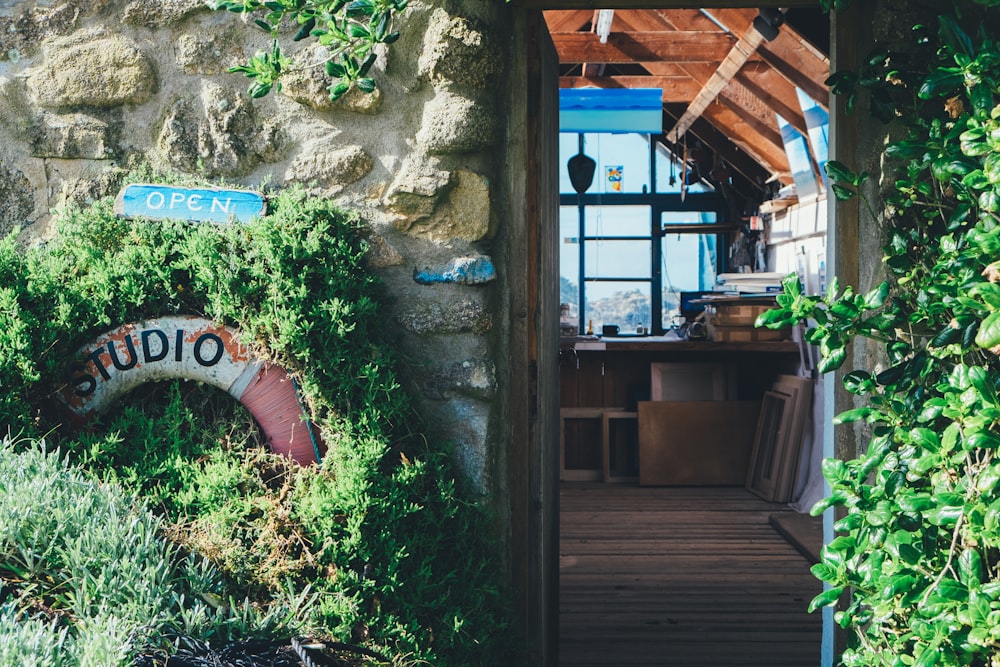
76	136
17	199
416	190
88	70
310	87
458	51
475	378
329	168
452	123
464	214
446	317
159	13
207	53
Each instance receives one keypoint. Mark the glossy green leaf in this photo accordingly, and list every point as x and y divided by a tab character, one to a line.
989	331
841	192
970	567
954	36
981	440
925	438
859	382
826	598
941	82
853	415
915	502
876	297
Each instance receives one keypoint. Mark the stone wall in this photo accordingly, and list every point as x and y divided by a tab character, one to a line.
91	89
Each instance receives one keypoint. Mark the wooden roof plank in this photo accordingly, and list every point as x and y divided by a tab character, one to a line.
790	54
770	155
738	159
571	20
642	47
725	72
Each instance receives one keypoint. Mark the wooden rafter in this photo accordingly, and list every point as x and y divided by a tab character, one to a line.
733	83
789	54
640	47
728	68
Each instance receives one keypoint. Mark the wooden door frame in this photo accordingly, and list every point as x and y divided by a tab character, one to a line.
532	459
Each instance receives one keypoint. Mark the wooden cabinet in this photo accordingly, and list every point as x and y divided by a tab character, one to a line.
603	384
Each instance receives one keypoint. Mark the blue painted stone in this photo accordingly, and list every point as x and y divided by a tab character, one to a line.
461	271
198	204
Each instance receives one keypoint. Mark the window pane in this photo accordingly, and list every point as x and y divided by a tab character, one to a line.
625	304
667	172
622	162
689	265
687	218
569	260
799	159
618	221
618	259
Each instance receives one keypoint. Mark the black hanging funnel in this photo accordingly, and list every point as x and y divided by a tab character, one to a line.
581	170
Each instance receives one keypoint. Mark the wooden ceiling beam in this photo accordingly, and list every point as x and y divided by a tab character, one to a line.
727	69
568	20
776	99
768	95
719	143
790	54
642	47
675	89
742	133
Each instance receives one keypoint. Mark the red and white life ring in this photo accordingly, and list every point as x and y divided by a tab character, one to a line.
192	348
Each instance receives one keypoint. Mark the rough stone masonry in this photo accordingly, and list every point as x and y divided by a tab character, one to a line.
90	89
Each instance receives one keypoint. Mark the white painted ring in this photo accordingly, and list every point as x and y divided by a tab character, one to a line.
191	348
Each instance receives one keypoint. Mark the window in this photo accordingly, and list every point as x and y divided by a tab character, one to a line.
637	237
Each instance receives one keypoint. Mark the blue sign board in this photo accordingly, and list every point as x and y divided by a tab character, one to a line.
199	204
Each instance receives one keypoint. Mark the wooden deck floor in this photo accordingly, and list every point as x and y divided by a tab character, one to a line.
680	576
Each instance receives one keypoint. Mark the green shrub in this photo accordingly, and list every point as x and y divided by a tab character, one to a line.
916	563
87	579
390	548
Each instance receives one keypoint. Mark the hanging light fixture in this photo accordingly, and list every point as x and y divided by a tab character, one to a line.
581	170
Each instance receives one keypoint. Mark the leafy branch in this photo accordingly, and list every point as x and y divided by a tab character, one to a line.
915	566
349	30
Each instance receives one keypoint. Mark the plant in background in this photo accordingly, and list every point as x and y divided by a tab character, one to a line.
918	545
381	538
86	578
349	30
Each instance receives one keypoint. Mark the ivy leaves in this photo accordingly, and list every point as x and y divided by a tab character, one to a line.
914	568
349	30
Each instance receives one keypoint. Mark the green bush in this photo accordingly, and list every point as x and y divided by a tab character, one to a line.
381	538
915	567
87	579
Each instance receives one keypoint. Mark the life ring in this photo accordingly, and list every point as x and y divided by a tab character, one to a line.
191	348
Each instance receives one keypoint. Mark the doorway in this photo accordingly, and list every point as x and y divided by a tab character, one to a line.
741	177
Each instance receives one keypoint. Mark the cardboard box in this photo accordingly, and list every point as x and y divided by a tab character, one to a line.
747	334
736	315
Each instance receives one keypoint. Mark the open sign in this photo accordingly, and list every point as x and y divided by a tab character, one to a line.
198	204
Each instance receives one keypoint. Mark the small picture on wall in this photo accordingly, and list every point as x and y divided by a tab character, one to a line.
614	175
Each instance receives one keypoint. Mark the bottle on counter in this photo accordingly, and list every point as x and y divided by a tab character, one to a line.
590	327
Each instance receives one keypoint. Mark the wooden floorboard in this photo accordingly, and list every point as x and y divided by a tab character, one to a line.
680	576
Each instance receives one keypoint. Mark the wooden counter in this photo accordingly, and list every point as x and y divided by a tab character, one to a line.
609	377
672	344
